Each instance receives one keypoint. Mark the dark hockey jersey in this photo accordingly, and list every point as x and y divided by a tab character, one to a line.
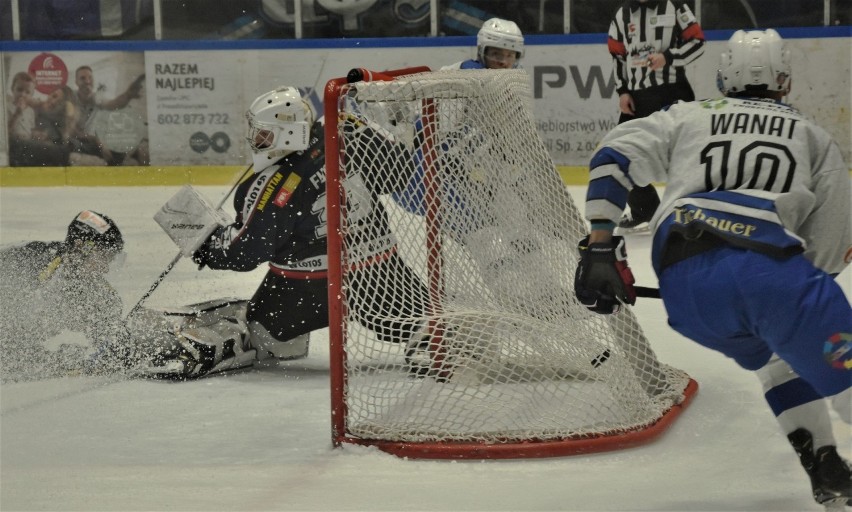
281	212
42	296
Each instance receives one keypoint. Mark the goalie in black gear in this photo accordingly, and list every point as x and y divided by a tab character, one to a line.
51	287
280	219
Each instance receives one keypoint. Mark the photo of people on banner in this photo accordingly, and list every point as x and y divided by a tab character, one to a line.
76	109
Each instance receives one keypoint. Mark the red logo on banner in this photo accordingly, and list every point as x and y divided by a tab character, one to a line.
49	72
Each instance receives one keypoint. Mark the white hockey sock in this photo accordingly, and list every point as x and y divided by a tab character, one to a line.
842	404
812	415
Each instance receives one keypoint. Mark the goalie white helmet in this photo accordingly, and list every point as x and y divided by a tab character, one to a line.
754	61
499	33
279	123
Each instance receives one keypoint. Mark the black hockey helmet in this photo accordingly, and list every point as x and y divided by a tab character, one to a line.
97	228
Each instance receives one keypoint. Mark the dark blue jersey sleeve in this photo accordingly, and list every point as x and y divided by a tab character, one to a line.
278	218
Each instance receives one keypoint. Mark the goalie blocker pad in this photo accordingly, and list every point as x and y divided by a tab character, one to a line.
189	219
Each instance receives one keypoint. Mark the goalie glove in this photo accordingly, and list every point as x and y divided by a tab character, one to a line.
201	257
603	280
189	219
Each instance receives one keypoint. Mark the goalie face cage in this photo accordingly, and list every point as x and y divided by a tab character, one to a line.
465	340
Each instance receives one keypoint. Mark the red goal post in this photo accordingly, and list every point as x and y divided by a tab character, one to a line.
458	334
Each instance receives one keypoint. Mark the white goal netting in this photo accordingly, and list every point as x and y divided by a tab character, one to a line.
459	325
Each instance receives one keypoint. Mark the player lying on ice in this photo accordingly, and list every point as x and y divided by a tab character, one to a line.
753	228
47	288
281	220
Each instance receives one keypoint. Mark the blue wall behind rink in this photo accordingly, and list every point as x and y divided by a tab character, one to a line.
196	91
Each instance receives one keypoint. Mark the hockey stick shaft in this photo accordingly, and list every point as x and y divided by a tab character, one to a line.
177	257
154	286
648	293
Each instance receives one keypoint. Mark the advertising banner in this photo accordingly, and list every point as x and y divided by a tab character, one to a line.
76	108
576	103
196	104
177	108
198	100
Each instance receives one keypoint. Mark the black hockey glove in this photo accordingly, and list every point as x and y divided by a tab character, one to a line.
201	256
603	280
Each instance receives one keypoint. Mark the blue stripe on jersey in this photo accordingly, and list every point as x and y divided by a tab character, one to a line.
471	64
607	188
790	394
733	197
607	155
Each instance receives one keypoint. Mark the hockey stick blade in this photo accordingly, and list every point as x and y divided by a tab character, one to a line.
646	292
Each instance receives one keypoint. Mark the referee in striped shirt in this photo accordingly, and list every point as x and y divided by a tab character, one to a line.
651	42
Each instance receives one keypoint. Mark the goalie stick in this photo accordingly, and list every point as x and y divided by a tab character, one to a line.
178	256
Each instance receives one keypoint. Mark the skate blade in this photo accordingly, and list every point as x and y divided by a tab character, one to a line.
837	504
635	230
169	369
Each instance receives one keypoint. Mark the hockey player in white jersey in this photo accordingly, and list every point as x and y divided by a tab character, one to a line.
499	45
753	227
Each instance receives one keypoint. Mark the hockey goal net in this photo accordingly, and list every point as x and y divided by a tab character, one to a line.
496	358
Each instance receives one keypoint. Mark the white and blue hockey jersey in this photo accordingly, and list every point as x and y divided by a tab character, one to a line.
754	172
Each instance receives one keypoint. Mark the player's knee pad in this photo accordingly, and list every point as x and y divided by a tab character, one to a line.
268	346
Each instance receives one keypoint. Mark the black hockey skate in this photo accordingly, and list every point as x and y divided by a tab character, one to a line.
643	202
424	358
831	477
418	357
631	224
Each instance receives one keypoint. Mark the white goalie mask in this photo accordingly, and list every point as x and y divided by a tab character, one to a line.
754	61
279	123
499	33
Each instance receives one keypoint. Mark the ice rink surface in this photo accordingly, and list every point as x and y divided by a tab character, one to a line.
259	440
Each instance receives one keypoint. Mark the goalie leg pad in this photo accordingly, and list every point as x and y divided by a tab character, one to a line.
268	346
205	342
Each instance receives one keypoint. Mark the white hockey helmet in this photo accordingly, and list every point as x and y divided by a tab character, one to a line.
499	33
754	61
279	123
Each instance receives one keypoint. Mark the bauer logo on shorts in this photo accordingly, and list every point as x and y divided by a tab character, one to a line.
287	190
837	351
